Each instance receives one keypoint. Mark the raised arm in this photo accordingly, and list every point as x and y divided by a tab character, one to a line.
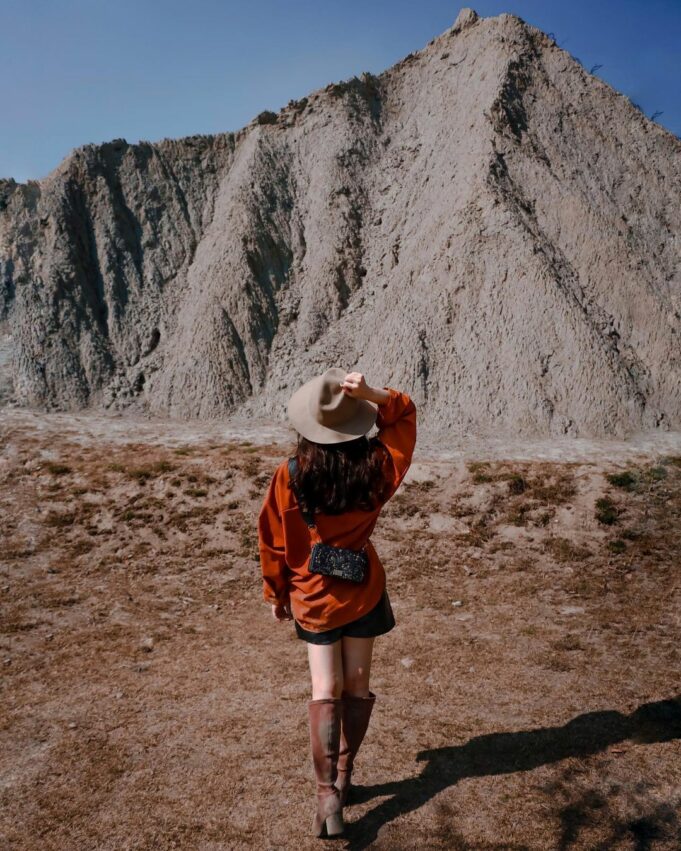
271	546
396	421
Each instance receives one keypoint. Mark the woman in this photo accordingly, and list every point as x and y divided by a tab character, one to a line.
346	478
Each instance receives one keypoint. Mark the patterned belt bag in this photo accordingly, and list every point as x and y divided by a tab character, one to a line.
341	562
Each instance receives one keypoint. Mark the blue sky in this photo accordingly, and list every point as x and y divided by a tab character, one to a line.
78	71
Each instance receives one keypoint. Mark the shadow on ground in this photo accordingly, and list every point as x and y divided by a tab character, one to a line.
506	753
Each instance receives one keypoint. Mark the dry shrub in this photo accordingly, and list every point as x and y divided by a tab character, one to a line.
501	546
606	511
163	466
556	662
81	546
419	487
568	642
458	509
564	550
625	480
518	515
59	520
401	505
251	467
58	469
479	471
516	483
558	490
141	474
196	516
195	492
16	550
479	533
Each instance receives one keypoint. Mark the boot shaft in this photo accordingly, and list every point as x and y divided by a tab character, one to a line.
325	730
355	721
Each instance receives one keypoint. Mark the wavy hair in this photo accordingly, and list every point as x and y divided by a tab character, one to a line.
338	477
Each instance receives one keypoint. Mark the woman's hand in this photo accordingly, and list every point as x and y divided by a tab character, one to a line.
354	385
282	612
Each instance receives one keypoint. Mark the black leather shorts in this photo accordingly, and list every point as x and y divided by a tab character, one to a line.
376	622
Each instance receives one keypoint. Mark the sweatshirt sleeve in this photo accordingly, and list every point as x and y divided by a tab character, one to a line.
272	546
396	422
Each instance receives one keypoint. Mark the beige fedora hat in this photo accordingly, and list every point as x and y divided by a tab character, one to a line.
323	412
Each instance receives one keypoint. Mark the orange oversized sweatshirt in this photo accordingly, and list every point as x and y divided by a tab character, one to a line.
324	602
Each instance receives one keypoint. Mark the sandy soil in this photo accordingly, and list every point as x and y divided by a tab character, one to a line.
528	698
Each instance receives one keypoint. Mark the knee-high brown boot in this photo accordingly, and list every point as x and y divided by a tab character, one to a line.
356	714
325	727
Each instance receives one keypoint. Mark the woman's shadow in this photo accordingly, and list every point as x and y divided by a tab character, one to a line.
505	753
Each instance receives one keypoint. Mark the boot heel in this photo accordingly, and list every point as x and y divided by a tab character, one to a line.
334	825
330	826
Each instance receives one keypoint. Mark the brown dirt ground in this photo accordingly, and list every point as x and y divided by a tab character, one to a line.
528	698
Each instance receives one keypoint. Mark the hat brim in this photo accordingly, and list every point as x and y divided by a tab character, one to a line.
308	427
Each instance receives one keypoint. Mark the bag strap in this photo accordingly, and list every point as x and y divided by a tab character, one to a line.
307	515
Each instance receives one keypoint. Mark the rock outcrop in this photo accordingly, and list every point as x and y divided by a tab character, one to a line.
485	224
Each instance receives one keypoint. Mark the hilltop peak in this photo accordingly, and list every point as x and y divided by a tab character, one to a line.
466	18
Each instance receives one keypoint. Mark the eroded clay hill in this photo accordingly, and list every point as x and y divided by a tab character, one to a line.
485	224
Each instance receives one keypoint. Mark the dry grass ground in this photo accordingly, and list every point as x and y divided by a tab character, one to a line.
529	697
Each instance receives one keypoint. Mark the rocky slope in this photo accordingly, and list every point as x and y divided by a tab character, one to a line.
484	224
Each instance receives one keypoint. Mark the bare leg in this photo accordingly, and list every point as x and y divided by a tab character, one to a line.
326	669
356	654
358	702
325	715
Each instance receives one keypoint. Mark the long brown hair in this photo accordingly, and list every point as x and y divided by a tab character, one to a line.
338	477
